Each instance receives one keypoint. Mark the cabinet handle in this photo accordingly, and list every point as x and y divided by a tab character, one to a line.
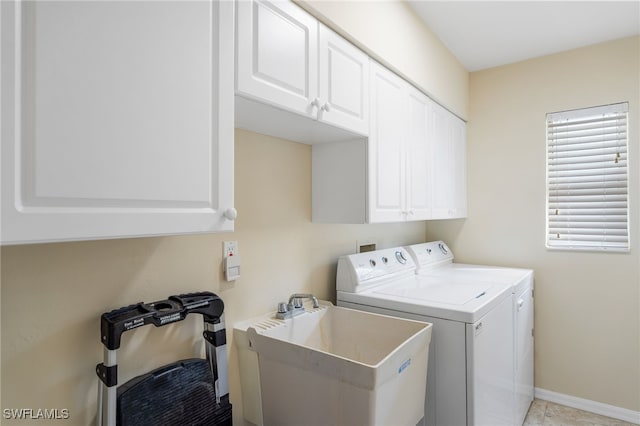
231	213
326	107
520	304
316	103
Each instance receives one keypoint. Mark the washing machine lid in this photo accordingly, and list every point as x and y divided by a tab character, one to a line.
516	277
464	301
436	259
447	292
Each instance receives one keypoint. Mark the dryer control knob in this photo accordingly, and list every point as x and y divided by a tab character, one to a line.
401	257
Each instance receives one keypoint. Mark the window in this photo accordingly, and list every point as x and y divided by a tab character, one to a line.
587	188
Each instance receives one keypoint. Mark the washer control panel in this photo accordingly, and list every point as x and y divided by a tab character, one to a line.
357	272
427	255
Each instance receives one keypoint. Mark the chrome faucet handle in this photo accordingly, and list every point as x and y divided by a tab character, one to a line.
293	297
295	306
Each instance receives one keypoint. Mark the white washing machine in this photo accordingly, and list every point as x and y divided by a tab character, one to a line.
472	362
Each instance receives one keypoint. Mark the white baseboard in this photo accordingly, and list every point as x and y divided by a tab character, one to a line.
588	405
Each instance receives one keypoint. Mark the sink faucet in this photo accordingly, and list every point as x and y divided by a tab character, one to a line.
294	307
294	299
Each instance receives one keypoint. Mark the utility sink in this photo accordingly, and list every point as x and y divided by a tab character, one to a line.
336	366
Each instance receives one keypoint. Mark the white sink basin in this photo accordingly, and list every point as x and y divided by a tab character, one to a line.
334	365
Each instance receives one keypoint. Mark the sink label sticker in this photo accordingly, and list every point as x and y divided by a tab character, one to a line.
404	366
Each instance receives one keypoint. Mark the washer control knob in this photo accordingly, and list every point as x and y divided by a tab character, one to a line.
385	260
401	257
372	263
443	248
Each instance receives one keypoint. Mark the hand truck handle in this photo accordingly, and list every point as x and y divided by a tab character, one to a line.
160	313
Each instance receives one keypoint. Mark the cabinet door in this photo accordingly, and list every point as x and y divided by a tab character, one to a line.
458	158
116	119
418	158
449	164
386	146
277	54
343	83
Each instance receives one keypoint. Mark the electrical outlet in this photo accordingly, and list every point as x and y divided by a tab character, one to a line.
365	245
229	248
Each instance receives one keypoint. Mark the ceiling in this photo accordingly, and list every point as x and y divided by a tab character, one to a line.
485	34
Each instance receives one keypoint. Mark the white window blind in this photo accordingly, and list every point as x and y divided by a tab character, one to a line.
587	201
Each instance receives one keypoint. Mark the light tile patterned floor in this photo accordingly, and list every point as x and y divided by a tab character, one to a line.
543	413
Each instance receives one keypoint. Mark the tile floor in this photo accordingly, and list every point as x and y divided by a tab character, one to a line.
543	413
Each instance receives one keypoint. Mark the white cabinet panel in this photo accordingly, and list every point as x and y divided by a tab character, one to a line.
449	164
281	51
343	83
111	119
458	138
277	54
442	163
386	146
419	158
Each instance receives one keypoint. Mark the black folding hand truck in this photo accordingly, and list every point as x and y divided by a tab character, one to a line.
191	392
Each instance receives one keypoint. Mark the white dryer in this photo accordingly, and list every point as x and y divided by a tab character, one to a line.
471	357
436	260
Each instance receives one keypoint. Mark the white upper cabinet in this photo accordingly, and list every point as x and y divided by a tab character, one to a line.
298	67
387	150
343	83
277	54
394	167
117	119
299	80
448	136
400	183
419	158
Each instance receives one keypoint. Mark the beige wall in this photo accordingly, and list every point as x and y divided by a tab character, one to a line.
53	294
391	32
587	305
